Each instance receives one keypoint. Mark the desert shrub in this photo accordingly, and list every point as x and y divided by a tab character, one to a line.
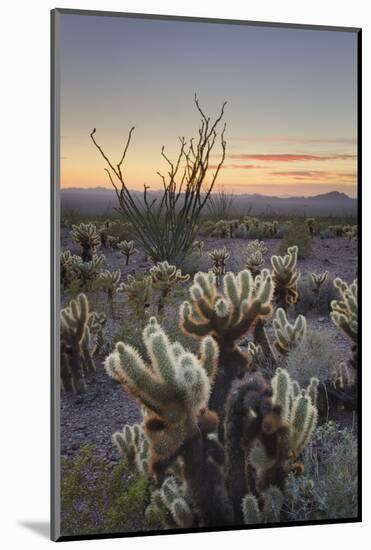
309	301
192	263
314	356
297	235
329	489
99	498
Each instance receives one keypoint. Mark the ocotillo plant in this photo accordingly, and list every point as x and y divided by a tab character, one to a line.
227	317
175	390
219	257
285	277
318	279
97	324
166	225
288	335
108	281
344	314
127	249
86	236
75	353
166	278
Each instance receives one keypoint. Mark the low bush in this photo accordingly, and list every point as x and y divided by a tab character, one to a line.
98	498
314	356
298	235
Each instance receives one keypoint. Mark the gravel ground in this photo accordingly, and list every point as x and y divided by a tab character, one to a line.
105	408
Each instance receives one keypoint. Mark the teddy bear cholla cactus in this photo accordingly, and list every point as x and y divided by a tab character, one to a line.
76	358
254	252
138	291
108	281
87	272
175	387
227	317
285	277
219	256
288	335
166	278
127	249
97	324
272	453
170	504
318	279
344	313
86	236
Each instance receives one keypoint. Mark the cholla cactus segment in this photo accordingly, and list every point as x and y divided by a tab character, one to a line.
312	226
87	237
318	279
133	446
165	275
342	377
345	311
174	387
286	276
250	510
288	335
229	316
299	410
219	256
273	500
75	353
127	248
108	281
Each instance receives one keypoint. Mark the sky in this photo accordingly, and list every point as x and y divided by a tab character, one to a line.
291	97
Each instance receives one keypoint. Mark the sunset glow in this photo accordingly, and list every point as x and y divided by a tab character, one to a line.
291	102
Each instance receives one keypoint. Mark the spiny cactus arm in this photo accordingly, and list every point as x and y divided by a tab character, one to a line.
302	422
318	279
209	357
282	388
127	367
191	325
250	510
273	499
288	335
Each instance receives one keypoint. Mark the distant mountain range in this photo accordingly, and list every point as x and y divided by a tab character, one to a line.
100	200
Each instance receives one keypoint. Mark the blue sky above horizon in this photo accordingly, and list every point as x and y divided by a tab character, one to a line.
291	101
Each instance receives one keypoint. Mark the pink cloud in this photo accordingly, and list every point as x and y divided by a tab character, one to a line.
284	157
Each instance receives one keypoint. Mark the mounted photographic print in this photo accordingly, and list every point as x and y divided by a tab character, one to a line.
205	200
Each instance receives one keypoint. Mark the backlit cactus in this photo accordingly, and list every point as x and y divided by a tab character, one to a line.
127	249
227	317
285	277
255	252
133	446
174	388
108	281
138	291
270	511
344	314
219	258
312	226
298	410
288	335
198	246
87	237
87	272
166	278
97	324
318	279
76	358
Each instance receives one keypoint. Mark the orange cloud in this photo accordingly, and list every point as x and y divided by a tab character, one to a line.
316	175
284	157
